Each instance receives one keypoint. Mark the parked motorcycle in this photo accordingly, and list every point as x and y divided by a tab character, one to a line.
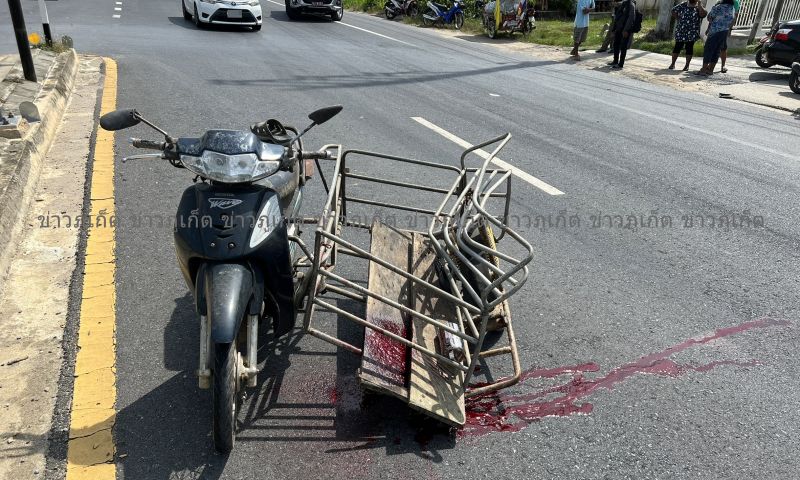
760	53
438	14
394	8
477	9
236	238
794	77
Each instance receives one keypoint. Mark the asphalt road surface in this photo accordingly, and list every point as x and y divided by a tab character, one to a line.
673	349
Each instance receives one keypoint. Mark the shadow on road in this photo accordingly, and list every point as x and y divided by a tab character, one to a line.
280	15
189	25
166	433
377	79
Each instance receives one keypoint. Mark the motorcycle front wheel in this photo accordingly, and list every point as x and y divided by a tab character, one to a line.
388	12
425	18
490	29
458	20
224	395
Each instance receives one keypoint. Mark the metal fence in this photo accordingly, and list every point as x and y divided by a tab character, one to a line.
749	10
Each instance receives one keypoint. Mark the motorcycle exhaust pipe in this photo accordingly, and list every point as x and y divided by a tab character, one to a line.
203	371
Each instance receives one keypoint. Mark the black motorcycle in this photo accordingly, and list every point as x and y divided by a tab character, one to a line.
393	8
236	238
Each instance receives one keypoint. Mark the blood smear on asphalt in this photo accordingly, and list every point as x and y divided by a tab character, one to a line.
498	412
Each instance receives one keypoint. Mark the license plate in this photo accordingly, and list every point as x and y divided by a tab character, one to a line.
234	14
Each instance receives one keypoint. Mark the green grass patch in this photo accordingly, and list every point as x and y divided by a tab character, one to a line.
553	32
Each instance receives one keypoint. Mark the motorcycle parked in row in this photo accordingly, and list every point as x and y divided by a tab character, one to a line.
394	8
508	16
236	238
438	14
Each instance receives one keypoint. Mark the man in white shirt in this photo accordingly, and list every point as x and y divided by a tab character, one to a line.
582	10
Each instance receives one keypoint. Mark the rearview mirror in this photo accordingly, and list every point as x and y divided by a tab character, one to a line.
119	119
324	114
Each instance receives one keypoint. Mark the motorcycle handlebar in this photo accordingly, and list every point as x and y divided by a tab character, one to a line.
149	144
320	155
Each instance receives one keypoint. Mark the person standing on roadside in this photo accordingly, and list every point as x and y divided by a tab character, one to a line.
723	54
688	16
720	20
609	36
624	20
582	9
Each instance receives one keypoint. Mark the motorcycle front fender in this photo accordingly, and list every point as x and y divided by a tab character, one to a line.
227	289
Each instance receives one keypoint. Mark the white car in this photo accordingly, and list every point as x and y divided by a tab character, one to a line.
223	12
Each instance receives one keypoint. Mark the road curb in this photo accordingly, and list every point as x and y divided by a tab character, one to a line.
25	162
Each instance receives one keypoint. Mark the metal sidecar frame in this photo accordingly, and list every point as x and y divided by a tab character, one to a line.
431	296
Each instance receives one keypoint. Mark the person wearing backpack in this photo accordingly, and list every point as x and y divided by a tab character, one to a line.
625	25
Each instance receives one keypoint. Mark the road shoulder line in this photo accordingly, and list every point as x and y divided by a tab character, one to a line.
90	453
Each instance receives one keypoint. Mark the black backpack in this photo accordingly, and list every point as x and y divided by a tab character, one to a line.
637	21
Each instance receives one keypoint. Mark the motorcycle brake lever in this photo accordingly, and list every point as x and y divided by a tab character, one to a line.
142	156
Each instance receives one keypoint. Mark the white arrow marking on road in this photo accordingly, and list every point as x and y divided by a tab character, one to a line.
118	9
541	185
359	28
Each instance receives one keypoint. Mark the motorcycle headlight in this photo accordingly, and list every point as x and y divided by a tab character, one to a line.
223	168
268	219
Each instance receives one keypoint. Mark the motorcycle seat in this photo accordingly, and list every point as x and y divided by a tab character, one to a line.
441	7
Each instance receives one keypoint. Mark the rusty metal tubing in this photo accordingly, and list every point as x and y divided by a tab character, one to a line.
401	159
471	149
347	293
402	272
390	205
398	306
391	335
505	381
333	340
396	183
316	279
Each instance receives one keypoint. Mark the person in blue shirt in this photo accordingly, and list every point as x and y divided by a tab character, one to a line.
582	10
720	20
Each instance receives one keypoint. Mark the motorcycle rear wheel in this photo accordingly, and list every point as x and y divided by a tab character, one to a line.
760	59
794	82
458	20
389	13
224	395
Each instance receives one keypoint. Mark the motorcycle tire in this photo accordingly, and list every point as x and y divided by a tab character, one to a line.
412	12
491	30
760	59
794	82
427	21
458	20
224	395
389	13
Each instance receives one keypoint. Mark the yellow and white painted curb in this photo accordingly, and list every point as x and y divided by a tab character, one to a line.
90	453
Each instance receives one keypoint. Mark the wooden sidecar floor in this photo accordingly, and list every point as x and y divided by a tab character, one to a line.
387	366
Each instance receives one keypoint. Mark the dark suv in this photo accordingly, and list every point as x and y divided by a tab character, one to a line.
331	8
783	45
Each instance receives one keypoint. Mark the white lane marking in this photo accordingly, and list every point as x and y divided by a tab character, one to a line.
493	95
118	3
376	33
359	28
117	9
541	185
115	16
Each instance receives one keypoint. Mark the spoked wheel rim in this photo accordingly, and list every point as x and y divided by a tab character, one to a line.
458	21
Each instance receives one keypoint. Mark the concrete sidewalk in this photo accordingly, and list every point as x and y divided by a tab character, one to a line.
745	81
